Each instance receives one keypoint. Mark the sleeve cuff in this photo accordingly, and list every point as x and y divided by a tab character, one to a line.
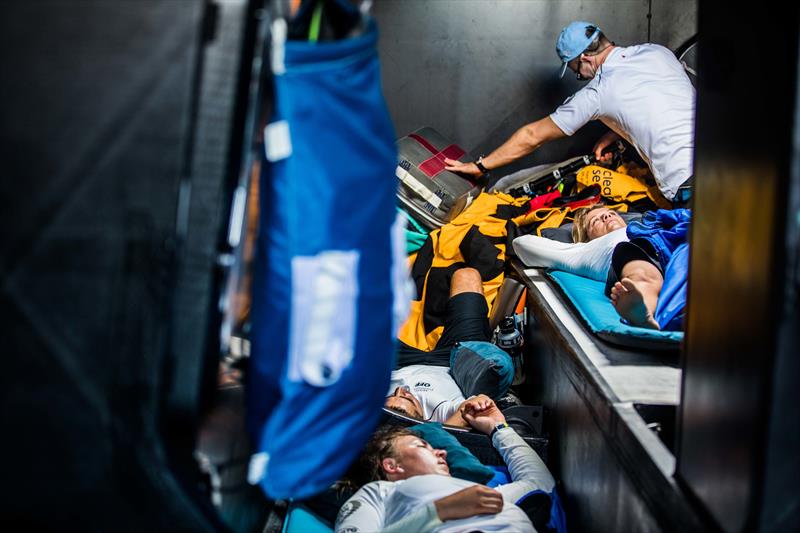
427	522
433	517
499	434
558	123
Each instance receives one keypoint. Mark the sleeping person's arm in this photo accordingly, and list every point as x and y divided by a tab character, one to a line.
364	512
528	471
543	252
588	259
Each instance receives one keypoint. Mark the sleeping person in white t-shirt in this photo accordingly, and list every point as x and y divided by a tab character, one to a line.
411	488
429	392
642	94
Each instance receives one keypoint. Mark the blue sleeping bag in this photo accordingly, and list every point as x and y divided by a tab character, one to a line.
667	231
322	340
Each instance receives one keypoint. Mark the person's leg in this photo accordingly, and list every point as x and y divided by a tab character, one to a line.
467	316
466	280
466	319
635	296
476	370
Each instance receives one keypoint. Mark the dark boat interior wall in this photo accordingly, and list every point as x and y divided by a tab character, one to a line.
112	200
597	492
477	70
739	431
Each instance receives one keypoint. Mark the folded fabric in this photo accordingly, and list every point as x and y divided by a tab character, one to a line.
415	234
462	463
476	238
621	186
666	229
561	234
481	367
671	305
667	232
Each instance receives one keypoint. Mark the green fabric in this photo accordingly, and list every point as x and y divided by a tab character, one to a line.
316	19
415	234
462	463
414	241
588	297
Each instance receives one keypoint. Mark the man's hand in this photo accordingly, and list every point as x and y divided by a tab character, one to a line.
477	402
604	142
481	413
475	500
465	168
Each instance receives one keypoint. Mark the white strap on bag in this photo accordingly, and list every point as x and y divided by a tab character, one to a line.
413	183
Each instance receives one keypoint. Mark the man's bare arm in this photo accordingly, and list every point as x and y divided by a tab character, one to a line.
456	420
524	141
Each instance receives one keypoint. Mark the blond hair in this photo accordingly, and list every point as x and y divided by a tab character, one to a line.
580	229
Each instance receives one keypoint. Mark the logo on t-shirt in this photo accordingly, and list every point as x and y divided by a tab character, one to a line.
347	509
422	384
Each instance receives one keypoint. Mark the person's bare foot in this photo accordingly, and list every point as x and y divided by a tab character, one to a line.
629	301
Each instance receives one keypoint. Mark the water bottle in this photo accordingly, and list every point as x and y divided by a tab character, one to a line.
510	340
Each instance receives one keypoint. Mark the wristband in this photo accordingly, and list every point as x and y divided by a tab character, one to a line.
479	163
497	428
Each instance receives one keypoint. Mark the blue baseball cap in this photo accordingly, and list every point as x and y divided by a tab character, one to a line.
572	41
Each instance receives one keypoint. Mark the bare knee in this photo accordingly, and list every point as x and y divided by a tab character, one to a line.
466	280
642	271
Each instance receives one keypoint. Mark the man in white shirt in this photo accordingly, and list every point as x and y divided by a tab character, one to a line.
429	392
415	492
641	92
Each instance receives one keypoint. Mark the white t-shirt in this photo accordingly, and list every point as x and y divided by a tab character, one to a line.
433	386
408	505
588	259
643	94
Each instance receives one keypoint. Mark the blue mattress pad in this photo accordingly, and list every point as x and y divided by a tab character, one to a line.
595	309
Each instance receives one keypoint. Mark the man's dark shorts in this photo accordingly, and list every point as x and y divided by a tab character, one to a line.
466	319
639	249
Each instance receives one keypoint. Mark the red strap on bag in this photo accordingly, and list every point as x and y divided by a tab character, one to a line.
434	165
543	200
589	196
584	203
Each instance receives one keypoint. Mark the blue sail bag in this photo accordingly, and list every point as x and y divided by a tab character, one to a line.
322	321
